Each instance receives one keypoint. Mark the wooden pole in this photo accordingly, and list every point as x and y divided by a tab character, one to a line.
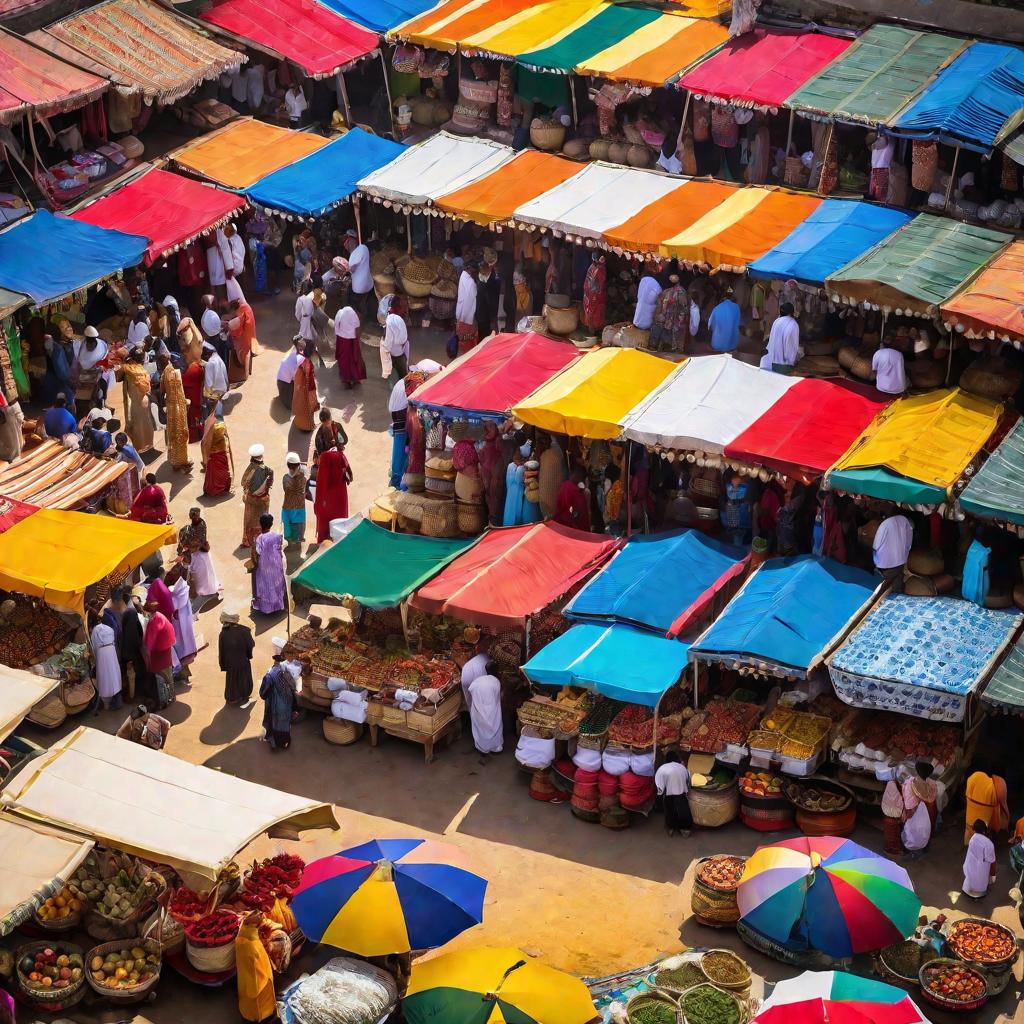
408	233
949	361
387	90
357	210
347	110
572	96
952	176
824	156
629	499
789	136
682	123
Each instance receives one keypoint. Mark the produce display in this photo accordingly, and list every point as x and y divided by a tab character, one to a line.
600	716
907	958
818	795
797	735
123	968
722	872
115	886
982	942
708	1005
722	721
868	740
274	878
761	784
953	983
59	908
53	967
651	1011
186	906
725	968
681	978
214	929
30	631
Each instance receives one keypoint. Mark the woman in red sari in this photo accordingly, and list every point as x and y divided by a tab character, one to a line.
192	385
334	474
305	400
595	295
347	352
150	504
218	462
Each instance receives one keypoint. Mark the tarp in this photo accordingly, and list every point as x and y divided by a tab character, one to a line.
592	396
969	102
447	24
493	199
245	151
618	661
804	433
930	438
56	555
763	67
312	185
992	305
744	227
442	164
495	375
598	198
664	582
169	209
919	267
996	491
318	40
879	482
1005	690
921	656
143	47
378	568
514	572
884	69
152	805
787	615
706	405
53	476
380	15
20	692
35	862
836	233
11	301
33	80
48	257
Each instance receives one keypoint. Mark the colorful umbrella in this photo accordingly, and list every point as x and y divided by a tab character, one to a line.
389	896
816	997
829	894
493	986
824	1011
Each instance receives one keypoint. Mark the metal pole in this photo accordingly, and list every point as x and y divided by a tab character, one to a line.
357	210
344	98
629	497
949	361
387	89
408	233
789	136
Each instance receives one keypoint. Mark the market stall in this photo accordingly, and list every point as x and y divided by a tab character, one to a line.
53	476
1004	693
990	306
380	15
996	491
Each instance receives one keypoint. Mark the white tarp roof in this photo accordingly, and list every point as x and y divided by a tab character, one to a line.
153	805
599	198
19	693
441	164
706	405
35	862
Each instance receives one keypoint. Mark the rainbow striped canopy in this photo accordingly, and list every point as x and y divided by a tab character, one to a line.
836	997
389	896
828	894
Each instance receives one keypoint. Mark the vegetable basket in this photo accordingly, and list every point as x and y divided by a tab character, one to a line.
136	993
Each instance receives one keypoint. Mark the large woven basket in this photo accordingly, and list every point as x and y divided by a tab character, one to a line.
137	993
470	518
48	713
926	373
712	808
415	289
861	368
991	378
47	995
562	321
846	356
547	136
340	732
211	959
440	520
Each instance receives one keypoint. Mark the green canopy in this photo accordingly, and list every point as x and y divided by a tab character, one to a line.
878	75
884	484
1005	690
997	491
378	568
918	267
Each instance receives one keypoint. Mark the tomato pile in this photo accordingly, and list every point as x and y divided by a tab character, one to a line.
982	943
276	878
215	929
722	872
954	984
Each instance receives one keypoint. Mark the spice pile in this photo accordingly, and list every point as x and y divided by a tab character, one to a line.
681	978
982	942
721	722
708	1005
725	968
649	1010
722	872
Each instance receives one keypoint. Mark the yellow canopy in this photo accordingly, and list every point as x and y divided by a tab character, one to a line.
19	693
931	438
56	555
592	396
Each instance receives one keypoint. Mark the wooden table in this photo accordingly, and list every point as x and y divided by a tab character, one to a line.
447	735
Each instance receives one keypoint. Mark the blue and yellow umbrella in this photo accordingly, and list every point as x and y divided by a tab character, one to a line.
389	896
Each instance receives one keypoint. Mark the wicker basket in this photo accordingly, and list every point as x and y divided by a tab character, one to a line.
470	518
926	562
440	520
415	289
547	136
211	959
712	906
562	321
341	732
65	924
948	1004
626	335
817	366
48	713
741	1008
861	368
926	373
729	986
712	808
137	993
846	356
991	378
106	929
48	995
806	959
651	995
795	174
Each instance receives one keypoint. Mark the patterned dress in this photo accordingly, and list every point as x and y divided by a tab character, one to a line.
176	412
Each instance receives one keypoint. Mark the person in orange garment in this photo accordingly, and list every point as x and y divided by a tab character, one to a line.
572	507
242	328
331	501
256	999
982	803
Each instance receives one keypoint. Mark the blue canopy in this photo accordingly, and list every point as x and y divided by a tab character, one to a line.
48	257
787	615
838	232
379	15
317	182
662	582
969	101
619	661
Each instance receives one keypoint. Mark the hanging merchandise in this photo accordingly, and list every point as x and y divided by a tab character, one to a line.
701	120
1011	177
924	162
505	94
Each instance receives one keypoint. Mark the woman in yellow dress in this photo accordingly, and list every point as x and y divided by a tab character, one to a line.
137	403
176	415
256	999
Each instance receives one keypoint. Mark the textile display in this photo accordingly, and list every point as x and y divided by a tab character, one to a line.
993	301
52	476
921	656
996	491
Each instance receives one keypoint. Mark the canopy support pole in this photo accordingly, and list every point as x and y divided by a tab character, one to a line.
682	123
824	156
696	698
789	136
885	320
346	109
357	210
387	90
408	233
949	361
952	176
629	497
572	96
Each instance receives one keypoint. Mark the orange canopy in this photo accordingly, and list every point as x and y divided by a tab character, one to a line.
495	197
666	217
245	151
994	301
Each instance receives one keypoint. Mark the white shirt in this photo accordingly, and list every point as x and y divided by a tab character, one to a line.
396	336
137	333
304	315
290	366
882	152
237	249
892	542
890	375
210	323
694	318
646	301
399	401
672	164
783	344
359	268
215	374
465	305
295	101
672	779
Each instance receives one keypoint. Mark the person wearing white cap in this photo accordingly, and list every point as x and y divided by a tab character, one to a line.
88	375
293	508
256	483
215	375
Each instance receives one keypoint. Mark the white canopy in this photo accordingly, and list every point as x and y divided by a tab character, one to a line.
599	198
153	805
19	693
441	164
35	862
706	405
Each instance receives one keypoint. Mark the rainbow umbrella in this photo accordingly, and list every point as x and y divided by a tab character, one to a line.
824	1011
389	896
818	997
494	986
828	894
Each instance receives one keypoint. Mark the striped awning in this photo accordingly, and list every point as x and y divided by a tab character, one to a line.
52	476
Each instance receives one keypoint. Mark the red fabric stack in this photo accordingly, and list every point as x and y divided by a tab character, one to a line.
635	791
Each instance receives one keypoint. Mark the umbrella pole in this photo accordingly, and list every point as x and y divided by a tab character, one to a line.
572	95
357	210
682	123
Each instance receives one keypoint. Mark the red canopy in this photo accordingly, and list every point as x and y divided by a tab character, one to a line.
514	572
764	66
318	40
806	430
168	209
12	512
498	374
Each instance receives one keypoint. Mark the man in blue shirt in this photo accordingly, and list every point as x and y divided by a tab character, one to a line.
724	323
58	420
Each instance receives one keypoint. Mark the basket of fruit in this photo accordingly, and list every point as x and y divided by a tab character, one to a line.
709	1004
210	942
50	972
952	985
59	913
713	900
983	944
124	971
764	806
726	970
123	901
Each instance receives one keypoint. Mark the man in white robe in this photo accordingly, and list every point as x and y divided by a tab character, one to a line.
485	713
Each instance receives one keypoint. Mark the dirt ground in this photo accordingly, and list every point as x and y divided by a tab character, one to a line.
588	900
